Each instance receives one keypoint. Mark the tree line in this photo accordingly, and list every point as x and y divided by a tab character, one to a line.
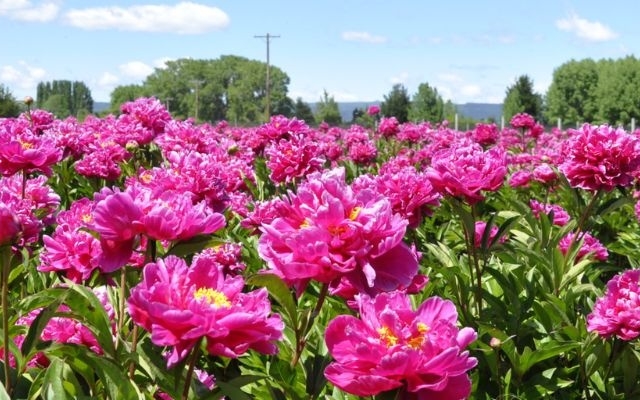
233	88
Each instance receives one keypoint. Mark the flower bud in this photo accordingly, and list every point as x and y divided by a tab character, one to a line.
28	100
495	343
9	226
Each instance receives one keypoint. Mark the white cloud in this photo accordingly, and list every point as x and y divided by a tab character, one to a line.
402	78
470	90
136	69
108	80
161	62
23	10
24	77
182	18
593	31
364	37
449	77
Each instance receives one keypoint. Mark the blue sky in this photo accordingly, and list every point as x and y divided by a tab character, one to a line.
471	51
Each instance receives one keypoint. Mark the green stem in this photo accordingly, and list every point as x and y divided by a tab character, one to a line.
192	363
301	334
585	215
5	254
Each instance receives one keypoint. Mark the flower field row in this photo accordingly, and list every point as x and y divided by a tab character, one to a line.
148	257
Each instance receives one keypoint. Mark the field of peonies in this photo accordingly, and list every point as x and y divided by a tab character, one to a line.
144	257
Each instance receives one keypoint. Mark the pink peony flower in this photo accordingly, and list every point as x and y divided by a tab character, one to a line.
601	158
327	231
560	215
520	178
522	120
294	158
485	134
465	170
373	110
388	126
590	245
25	150
179	306
480	228
618	311
543	173
391	346
9	225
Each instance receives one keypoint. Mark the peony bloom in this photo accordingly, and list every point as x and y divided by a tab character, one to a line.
9	225
179	306
560	215
389	126
26	151
523	121
465	170
543	173
373	110
291	159
590	245
601	158
520	178
485	134
480	228
327	231
391	346
618	312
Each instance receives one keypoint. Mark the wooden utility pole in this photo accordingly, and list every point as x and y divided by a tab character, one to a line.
197	83
268	37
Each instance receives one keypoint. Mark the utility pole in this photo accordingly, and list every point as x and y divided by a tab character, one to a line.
268	37
197	83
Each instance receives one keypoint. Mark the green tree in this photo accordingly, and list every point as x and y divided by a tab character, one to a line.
449	111
328	110
231	88
618	92
303	111
426	105
396	103
521	98
572	95
126	93
9	107
70	98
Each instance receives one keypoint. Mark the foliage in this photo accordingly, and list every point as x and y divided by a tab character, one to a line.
527	295
229	88
618	91
572	94
328	110
521	98
9	107
426	105
64	98
396	103
302	111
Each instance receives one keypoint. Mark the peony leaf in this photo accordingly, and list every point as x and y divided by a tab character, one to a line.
280	292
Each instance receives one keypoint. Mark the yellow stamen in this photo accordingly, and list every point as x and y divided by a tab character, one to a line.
354	213
387	336
213	297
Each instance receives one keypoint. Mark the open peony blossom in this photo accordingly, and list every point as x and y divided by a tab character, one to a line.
618	311
327	231
465	170
391	346
179	306
560	215
601	158
590	245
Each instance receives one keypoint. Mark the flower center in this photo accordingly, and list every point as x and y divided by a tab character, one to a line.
417	340
387	336
25	145
213	297
354	213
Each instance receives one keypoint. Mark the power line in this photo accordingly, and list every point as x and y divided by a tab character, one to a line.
268	37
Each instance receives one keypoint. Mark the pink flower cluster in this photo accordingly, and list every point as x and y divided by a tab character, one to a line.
465	170
327	231
391	346
180	305
601	158
292	159
590	245
618	311
560	215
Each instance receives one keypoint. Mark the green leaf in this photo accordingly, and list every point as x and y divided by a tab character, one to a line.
52	383
543	351
233	392
194	245
280	292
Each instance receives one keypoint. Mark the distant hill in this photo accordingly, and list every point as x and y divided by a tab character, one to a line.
100	106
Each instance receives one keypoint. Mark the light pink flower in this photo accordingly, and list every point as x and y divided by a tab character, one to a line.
391	346
601	158
465	170
560	215
618	311
179	306
590	245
